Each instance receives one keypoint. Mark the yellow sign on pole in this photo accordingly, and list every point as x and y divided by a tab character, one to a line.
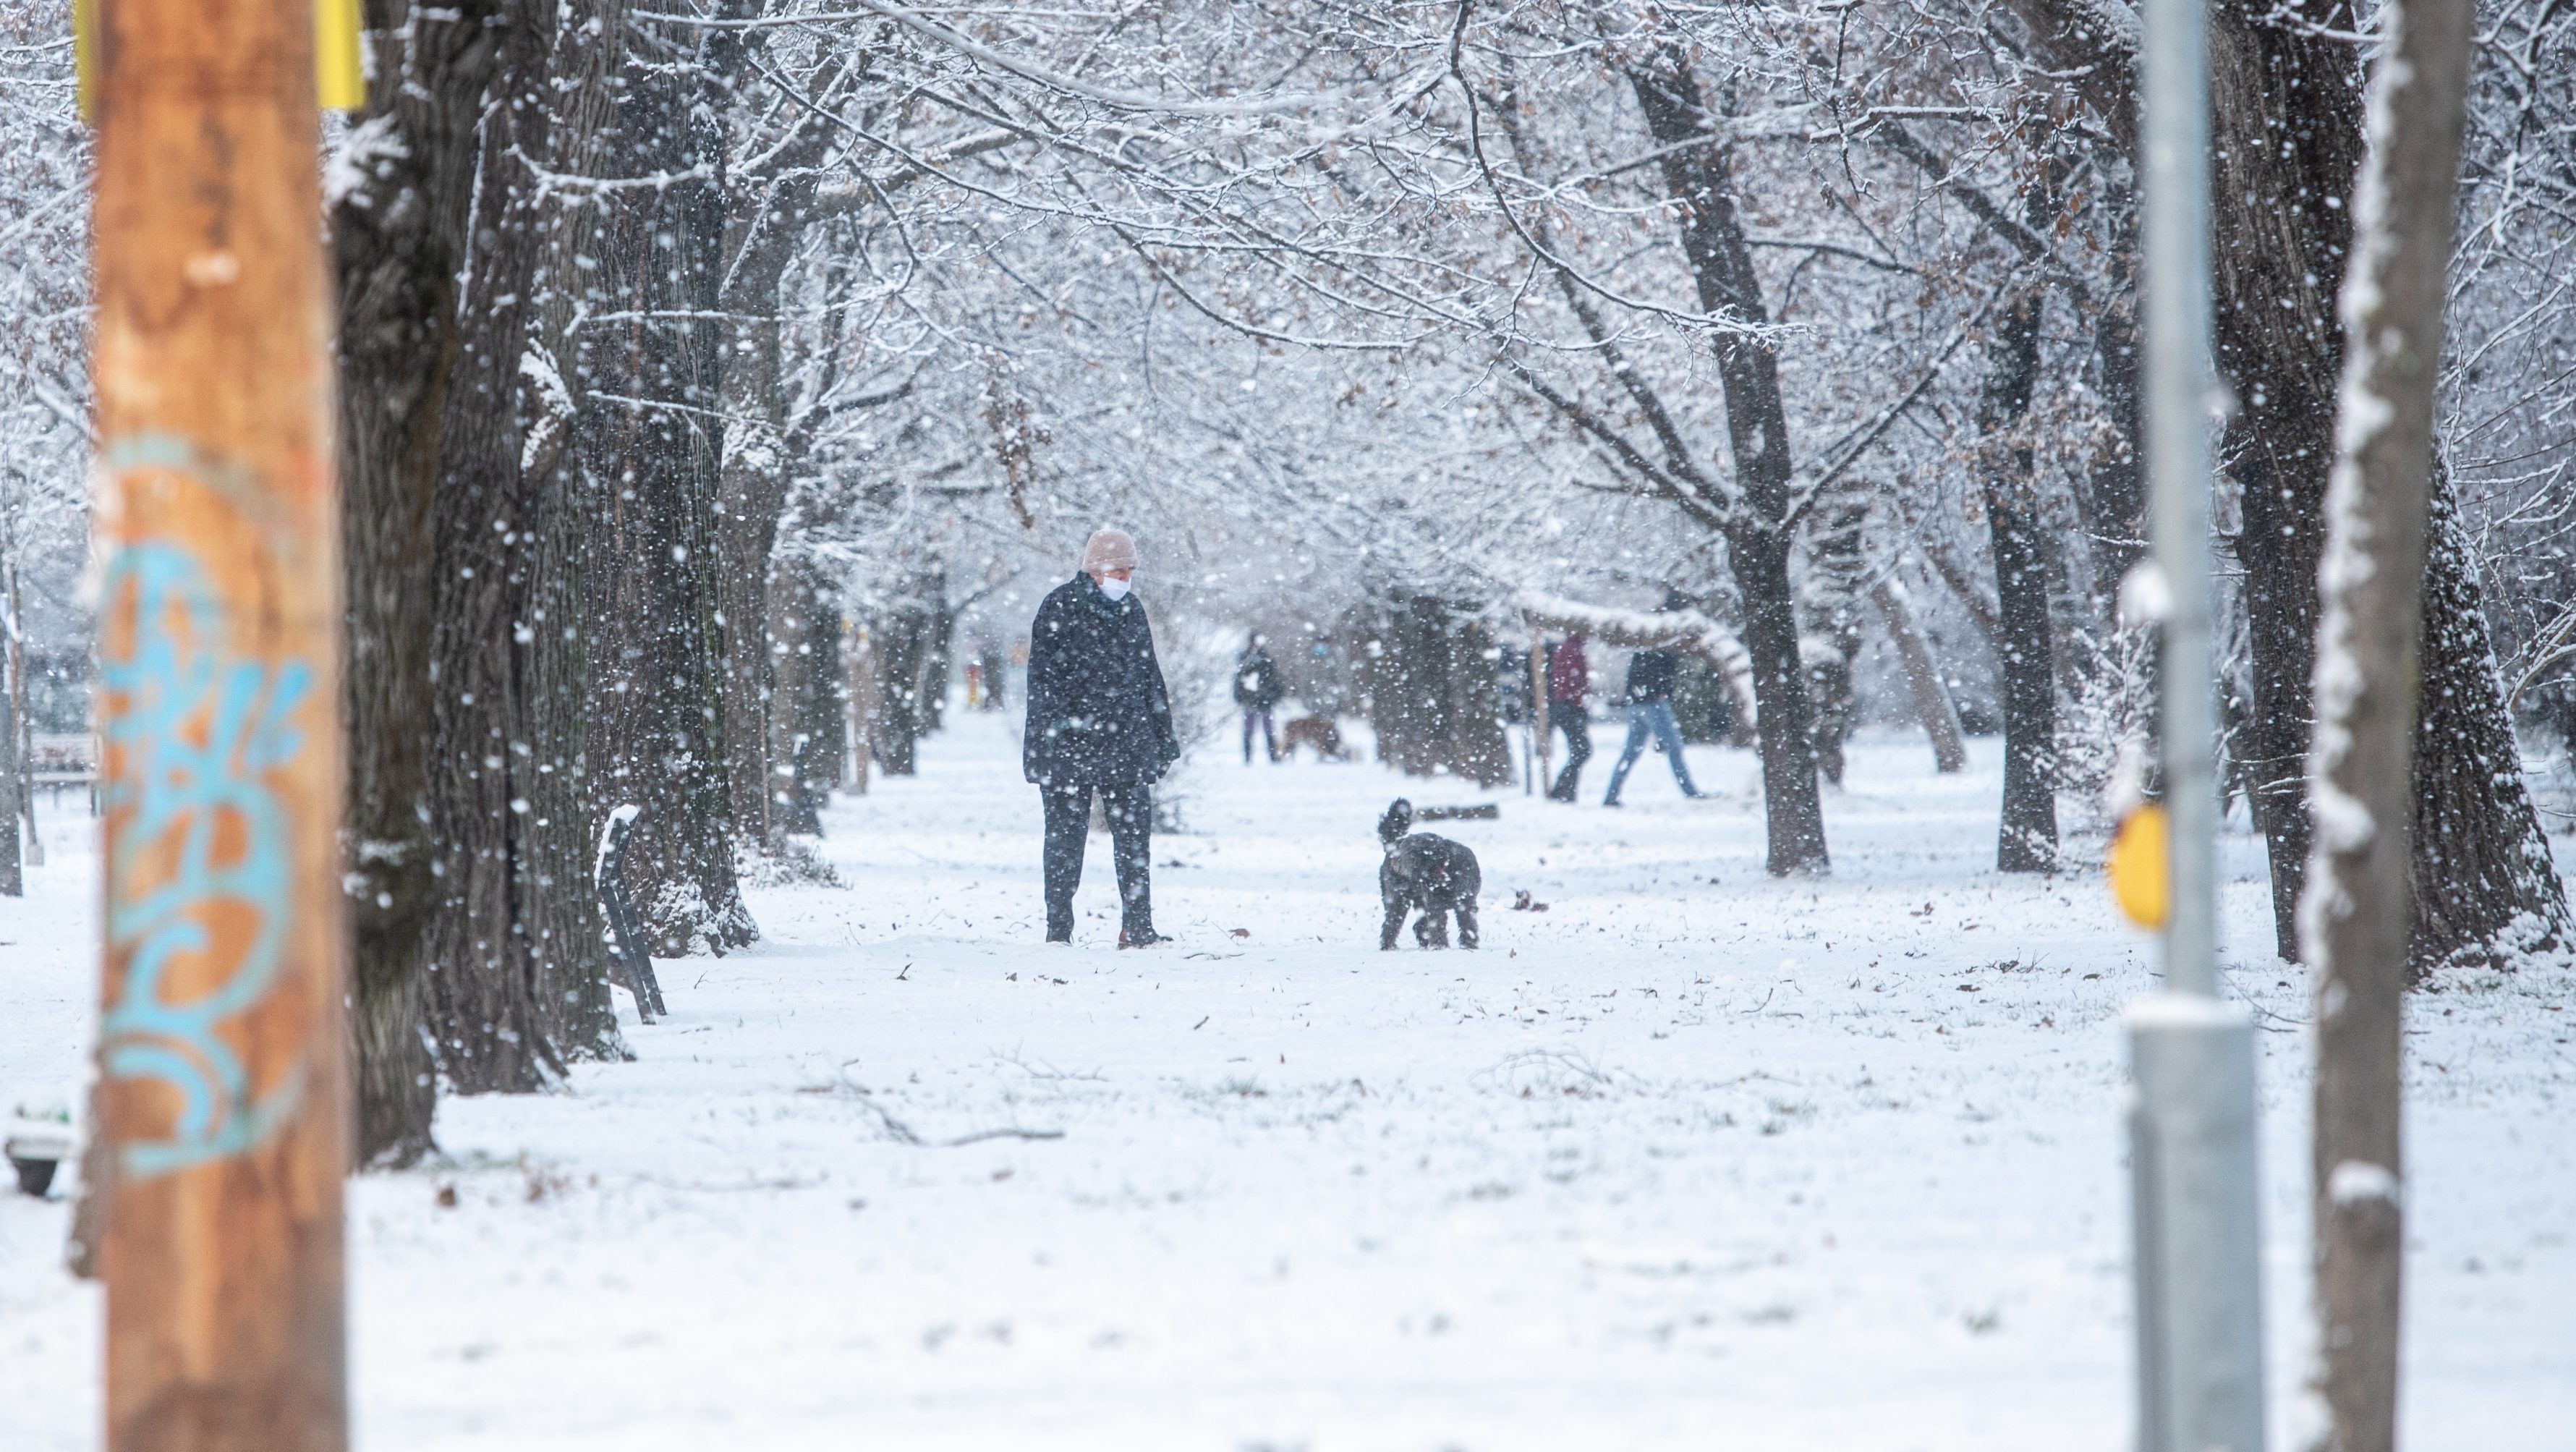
339	59
2142	866
339	69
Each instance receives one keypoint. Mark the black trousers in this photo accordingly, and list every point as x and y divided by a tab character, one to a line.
1130	810
1569	717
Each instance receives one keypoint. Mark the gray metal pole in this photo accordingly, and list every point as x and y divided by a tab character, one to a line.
2175	138
2196	1191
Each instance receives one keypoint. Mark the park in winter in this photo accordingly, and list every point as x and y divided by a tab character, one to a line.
1287	725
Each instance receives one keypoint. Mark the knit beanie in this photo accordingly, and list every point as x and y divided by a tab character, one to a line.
1109	549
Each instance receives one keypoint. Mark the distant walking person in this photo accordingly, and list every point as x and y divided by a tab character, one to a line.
1257	691
1569	684
1651	675
1100	720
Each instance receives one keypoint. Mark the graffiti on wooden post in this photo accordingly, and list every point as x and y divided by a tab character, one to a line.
200	883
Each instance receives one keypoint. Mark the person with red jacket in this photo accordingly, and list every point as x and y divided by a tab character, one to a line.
1569	682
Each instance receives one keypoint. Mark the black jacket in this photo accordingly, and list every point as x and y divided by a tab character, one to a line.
1099	713
1652	675
1256	680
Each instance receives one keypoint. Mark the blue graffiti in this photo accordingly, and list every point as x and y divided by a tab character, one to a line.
200	727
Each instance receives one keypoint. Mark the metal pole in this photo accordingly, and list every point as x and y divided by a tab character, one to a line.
223	1092
2192	1119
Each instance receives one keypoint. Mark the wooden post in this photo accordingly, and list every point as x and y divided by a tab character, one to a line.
222	1103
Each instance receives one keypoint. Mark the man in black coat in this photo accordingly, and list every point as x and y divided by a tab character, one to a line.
1100	720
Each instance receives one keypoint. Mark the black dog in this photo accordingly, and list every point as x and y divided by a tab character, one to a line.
1429	873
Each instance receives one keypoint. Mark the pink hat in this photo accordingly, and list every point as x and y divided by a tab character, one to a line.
1109	549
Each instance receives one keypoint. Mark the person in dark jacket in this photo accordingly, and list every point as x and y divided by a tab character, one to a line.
1257	691
1569	683
1651	676
1100	720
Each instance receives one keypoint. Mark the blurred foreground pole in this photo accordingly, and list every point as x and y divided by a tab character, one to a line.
2198	1245
222	1114
2355	916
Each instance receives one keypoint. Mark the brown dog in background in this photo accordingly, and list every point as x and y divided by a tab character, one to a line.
1318	732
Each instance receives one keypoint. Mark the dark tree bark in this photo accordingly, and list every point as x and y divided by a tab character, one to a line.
795	604
2484	887
1758	537
399	242
516	976
766	212
13	781
651	437
2027	838
2285	112
901	638
2113	499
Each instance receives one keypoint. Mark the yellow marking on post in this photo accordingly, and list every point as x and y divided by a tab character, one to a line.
85	55
2142	866
339	61
339	69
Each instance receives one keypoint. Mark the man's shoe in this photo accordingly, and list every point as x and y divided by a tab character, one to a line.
1139	938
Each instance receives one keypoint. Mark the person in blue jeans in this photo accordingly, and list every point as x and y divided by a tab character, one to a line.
1651	675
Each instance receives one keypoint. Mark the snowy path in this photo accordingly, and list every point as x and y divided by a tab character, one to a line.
1694	1159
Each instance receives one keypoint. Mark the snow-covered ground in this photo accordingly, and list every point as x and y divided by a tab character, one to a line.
1692	1159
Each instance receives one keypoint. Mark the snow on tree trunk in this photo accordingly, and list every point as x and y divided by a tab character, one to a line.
516	978
654	445
1830	597
2026	837
405	185
767	208
2354	918
2285	110
2484	889
1699	177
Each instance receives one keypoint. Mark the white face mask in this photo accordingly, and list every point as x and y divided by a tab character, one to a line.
1113	587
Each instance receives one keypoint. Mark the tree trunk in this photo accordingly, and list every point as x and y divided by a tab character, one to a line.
399	239
766	212
2113	500
898	638
662	736
822	750
2372	595
2485	891
859	663
517	976
2286	131
12	875
1932	703
1700	178
35	847
2026	840
753	489
795	798
1837	566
